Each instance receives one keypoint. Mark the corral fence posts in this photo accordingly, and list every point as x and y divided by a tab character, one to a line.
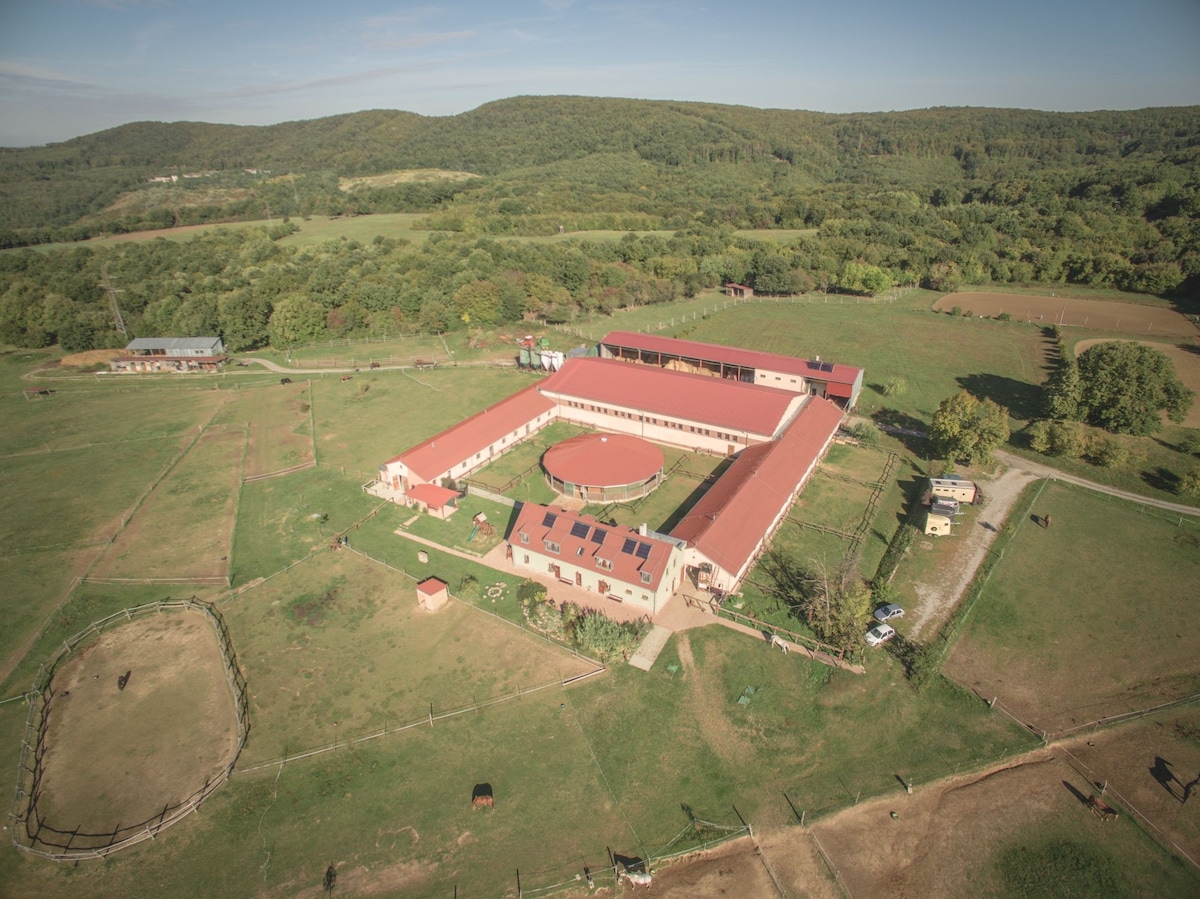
30	833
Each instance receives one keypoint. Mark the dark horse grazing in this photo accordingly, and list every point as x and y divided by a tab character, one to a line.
482	797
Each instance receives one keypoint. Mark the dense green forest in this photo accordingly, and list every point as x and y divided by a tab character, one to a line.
942	197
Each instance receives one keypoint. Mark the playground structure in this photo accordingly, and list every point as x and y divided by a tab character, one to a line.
482	526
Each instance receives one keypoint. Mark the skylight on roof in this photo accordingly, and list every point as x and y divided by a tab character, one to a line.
579	529
598	536
629	546
643	551
549	519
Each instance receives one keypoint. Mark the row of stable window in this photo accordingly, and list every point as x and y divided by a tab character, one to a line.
666	423
503	440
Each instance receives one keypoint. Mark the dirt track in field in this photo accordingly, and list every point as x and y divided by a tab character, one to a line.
117	757
1104	315
944	837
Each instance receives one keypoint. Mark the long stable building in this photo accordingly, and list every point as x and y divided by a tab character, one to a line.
840	383
777	415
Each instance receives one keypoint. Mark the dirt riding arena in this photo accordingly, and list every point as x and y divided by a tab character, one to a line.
1103	315
117	757
1187	369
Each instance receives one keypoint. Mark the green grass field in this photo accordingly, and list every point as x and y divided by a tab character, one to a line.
1109	638
607	763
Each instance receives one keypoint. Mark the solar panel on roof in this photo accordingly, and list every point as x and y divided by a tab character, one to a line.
598	536
549	519
579	529
643	550
630	546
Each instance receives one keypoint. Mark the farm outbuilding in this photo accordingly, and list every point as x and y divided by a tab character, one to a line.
440	502
432	594
955	488
172	354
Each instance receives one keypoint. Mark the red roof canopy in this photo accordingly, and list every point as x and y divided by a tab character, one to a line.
603	460
711	352
432	495
451	446
729	521
718	402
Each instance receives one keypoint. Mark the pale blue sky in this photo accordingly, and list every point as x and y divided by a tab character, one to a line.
72	67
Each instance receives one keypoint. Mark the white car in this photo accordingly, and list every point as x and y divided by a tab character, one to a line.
880	633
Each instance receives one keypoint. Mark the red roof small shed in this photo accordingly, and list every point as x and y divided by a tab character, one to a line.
432	593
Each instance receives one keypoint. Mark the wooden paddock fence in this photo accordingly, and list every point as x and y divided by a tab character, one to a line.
30	833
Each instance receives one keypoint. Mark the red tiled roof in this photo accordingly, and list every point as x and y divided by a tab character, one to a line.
603	460
463	440
431	586
691	349
432	495
573	532
730	520
718	402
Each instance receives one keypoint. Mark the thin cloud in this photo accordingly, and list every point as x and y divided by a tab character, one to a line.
121	5
558	5
31	75
349	78
419	40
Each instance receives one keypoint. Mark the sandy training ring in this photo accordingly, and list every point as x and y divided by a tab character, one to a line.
138	718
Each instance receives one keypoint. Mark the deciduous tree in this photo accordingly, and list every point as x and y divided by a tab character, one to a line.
966	429
1123	386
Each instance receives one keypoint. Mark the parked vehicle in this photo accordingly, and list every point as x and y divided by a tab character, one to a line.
880	633
888	612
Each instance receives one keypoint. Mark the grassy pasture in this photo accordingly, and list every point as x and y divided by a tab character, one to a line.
338	646
279	429
395	814
356	354
34	583
1019	830
191	509
78	416
936	355
40	500
276	523
1110	637
360	430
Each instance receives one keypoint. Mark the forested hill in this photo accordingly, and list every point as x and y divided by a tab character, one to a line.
650	163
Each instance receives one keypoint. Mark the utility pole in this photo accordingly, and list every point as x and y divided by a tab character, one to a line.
112	299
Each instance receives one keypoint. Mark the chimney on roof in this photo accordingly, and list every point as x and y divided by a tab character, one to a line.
818	358
642	529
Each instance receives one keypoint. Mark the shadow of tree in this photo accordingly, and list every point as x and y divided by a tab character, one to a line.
1162	479
1022	399
910	431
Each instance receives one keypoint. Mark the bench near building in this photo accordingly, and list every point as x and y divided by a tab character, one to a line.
172	354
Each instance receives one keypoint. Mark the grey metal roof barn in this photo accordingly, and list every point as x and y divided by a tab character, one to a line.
177	346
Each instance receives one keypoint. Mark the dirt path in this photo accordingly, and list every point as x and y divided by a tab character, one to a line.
1045	471
938	597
